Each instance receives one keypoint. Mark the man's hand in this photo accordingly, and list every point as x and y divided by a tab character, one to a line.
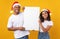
21	28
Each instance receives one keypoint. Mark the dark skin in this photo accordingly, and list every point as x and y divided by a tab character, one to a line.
16	28
16	10
44	15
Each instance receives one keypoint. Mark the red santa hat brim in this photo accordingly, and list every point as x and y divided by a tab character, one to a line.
16	4
46	10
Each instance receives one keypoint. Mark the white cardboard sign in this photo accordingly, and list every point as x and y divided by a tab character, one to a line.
31	16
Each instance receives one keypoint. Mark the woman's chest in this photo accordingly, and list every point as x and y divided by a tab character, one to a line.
45	24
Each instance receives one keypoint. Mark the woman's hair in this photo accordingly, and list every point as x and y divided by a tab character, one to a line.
42	19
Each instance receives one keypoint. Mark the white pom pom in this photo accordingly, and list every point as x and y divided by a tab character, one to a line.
11	11
50	13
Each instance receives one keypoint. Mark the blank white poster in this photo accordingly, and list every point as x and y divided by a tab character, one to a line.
31	16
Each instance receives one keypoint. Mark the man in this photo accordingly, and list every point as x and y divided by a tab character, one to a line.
15	23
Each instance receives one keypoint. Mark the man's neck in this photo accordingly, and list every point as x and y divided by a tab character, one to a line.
16	13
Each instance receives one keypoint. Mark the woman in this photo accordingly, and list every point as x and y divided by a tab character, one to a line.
45	24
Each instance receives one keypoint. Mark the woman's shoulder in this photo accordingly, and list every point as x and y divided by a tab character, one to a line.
50	22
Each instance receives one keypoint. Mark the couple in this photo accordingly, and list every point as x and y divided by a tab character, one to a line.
16	21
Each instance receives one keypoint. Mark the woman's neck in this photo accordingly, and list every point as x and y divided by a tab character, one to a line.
45	19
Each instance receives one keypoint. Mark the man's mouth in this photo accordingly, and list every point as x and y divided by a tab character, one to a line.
16	10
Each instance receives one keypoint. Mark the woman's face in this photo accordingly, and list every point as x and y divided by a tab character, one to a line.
16	9
44	15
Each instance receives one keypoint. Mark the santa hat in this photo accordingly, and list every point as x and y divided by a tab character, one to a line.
46	10
13	5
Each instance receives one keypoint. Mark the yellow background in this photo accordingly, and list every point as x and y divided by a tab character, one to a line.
53	5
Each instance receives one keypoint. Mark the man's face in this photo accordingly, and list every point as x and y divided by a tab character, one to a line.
16	9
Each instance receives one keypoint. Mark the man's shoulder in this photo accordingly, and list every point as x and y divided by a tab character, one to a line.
11	16
21	14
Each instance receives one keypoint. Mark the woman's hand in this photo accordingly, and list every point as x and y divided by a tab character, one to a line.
44	29
39	22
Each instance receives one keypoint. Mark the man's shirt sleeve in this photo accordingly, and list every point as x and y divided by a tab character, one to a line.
10	23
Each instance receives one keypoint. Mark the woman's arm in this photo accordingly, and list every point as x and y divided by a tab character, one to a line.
44	29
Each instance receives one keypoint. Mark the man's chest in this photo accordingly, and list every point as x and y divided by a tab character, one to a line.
17	21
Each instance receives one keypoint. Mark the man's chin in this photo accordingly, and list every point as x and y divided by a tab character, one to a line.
17	12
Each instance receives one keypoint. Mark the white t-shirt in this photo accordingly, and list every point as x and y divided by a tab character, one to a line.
45	24
17	21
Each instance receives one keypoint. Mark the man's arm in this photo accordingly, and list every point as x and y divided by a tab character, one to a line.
16	28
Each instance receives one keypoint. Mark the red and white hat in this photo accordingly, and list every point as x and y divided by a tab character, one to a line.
13	5
46	10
